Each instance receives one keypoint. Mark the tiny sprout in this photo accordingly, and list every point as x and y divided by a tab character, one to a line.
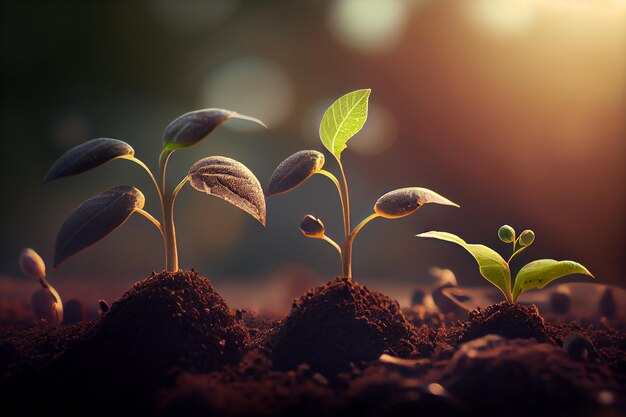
495	269
506	234
100	215
312	227
46	302
341	121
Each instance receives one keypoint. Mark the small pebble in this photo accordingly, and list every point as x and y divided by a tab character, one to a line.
578	346
606	305
560	302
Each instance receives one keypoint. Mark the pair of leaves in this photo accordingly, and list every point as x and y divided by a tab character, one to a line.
102	214
185	131
495	269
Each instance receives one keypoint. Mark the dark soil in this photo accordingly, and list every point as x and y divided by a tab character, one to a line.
170	346
340	323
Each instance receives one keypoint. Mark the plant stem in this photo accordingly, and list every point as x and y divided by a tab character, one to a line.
347	248
151	218
171	251
332	243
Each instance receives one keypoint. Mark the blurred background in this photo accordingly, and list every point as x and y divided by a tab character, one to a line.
514	109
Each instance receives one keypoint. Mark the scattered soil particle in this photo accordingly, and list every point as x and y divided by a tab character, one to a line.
511	321
340	323
510	377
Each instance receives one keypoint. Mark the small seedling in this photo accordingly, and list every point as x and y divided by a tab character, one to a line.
46	303
100	215
495	269
341	121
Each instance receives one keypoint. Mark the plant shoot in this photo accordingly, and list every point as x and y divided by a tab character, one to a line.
495	269
100	215
46	303
341	121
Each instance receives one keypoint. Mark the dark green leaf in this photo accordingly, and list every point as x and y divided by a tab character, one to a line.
96	218
231	181
87	156
294	170
191	128
404	201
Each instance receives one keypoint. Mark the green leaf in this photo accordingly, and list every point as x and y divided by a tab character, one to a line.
87	156
343	119
294	170
96	218
492	266
404	201
229	180
192	127
538	274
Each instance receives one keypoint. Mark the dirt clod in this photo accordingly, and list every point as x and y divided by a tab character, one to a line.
340	323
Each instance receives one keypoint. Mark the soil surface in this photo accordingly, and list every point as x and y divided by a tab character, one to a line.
170	346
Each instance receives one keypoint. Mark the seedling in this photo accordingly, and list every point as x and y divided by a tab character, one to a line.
100	215
495	269
46	303
341	121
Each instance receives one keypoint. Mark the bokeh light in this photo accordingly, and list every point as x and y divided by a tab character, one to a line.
257	87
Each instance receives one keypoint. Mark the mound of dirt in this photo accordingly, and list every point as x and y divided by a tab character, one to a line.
340	323
172	320
511	321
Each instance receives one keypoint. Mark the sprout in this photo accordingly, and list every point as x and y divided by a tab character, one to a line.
506	234
495	269
45	302
341	121
100	215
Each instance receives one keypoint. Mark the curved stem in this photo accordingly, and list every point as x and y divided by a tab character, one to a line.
58	302
347	249
363	223
332	243
178	188
151	218
145	167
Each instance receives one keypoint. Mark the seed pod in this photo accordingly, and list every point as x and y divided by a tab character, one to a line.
31	264
527	237
312	227
294	170
506	234
404	201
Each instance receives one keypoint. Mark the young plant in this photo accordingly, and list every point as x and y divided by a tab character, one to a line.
495	269
100	215
46	303
341	121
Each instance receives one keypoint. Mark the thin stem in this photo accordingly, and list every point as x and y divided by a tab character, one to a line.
171	250
180	185
145	167
347	249
151	218
333	243
363	223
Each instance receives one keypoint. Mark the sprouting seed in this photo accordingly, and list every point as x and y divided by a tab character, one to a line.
341	121
506	234
46	302
100	215
495	269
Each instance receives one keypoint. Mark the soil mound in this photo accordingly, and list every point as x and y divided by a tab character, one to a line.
340	323
511	321
172	320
